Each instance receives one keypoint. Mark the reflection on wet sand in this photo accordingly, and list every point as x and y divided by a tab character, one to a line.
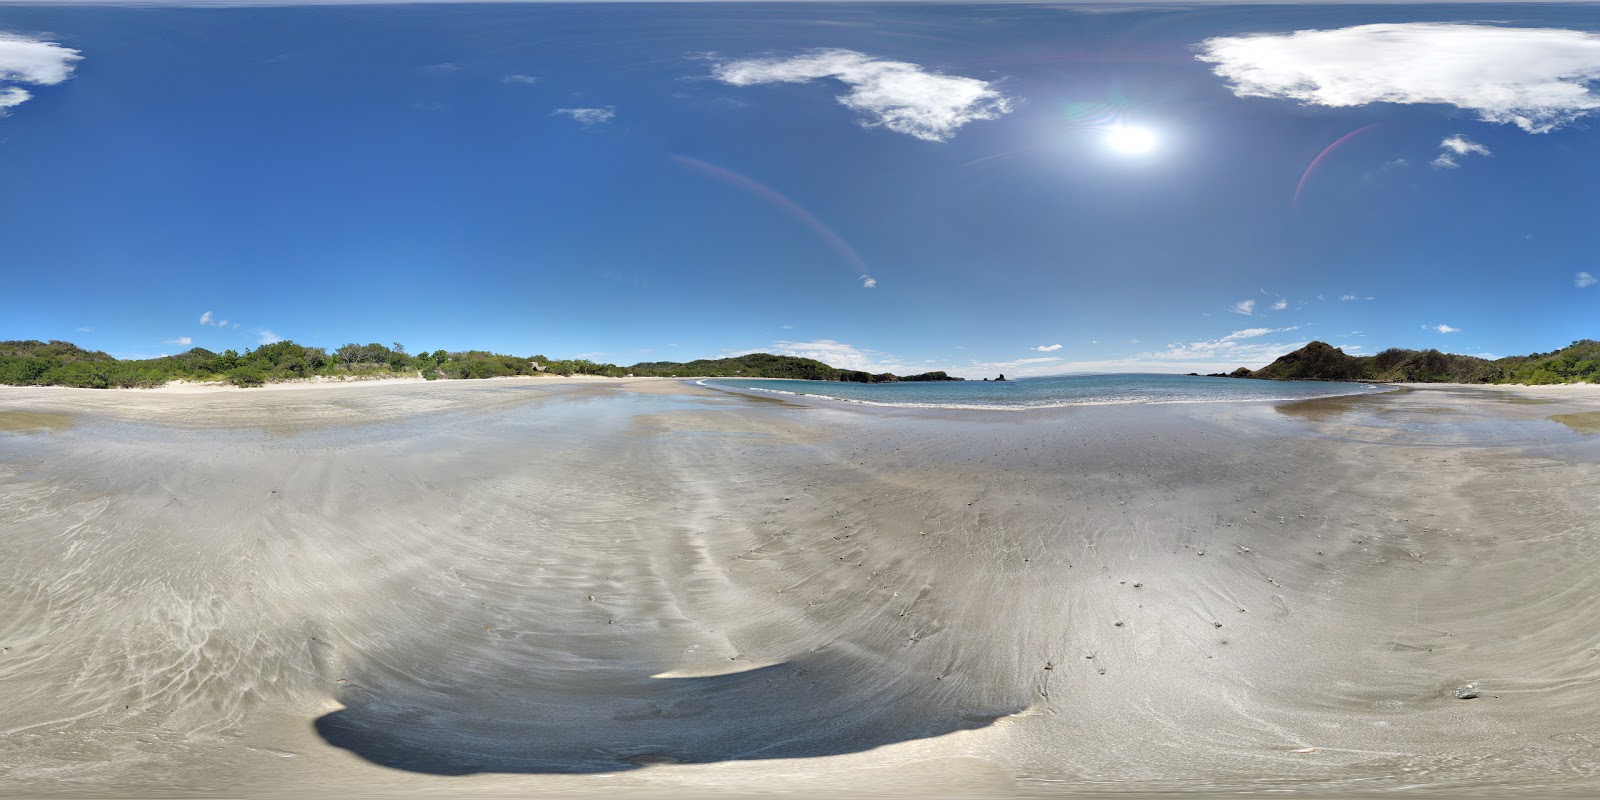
1322	409
1584	422
33	421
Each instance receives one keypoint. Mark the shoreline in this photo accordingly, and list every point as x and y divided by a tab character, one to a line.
181	387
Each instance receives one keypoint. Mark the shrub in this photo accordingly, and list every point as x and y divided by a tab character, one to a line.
246	376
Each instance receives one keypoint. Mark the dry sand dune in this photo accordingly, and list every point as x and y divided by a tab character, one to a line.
651	588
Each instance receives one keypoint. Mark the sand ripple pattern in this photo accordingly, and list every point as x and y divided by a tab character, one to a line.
679	587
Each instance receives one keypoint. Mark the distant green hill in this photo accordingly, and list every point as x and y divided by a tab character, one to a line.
1320	361
766	365
35	363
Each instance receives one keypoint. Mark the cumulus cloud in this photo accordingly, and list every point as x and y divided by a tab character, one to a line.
205	319
1048	348
517	78
184	340
900	96
1245	307
1234	349
1535	78
1455	147
838	354
1229	351
265	336
867	281
588	116
1583	280
1442	328
24	59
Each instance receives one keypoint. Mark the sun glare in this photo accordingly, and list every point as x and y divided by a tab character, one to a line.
1132	141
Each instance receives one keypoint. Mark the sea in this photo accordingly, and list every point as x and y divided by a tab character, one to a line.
1021	394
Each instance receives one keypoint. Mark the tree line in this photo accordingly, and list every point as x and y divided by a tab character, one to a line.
57	363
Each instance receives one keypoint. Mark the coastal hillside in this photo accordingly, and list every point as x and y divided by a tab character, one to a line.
1320	361
767	365
57	363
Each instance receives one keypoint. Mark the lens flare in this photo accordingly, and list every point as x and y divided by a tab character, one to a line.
790	207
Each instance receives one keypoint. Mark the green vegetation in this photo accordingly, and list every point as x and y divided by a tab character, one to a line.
766	365
1319	361
35	363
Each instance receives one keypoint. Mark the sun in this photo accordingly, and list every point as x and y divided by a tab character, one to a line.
1130	140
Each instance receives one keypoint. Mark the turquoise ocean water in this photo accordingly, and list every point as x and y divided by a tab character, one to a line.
1069	390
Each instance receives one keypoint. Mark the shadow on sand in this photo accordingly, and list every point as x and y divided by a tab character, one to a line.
575	725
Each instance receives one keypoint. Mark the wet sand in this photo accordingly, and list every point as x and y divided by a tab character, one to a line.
653	588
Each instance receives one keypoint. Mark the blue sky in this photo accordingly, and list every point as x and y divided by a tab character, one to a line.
895	187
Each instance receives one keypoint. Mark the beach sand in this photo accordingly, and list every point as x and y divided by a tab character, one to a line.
652	588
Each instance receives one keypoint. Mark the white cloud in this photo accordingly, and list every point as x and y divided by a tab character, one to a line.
1535	78
1456	146
1216	355
265	336
900	96
1583	280
1245	307
867	281
1280	305
205	319
184	340
1461	145
86	329
588	116
1231	350
1442	328
32	61
517	78
1043	365
1048	348
836	354
1247	333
